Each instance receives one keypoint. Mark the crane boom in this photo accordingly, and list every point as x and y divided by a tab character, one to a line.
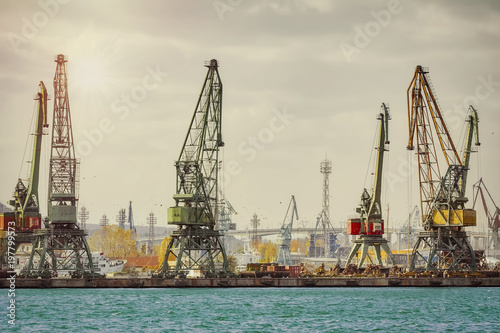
472	129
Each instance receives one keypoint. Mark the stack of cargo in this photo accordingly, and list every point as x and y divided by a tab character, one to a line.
258	270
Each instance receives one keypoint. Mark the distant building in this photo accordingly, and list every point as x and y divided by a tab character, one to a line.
4	208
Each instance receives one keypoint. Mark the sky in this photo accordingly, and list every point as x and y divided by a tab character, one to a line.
303	81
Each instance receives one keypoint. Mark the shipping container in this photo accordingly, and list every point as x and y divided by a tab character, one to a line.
294	271
5	218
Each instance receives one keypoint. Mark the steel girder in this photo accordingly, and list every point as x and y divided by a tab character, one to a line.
55	250
195	248
443	249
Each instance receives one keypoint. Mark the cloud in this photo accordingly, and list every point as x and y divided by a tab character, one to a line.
272	55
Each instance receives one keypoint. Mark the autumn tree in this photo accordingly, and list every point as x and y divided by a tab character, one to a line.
233	263
163	250
268	252
298	245
114	242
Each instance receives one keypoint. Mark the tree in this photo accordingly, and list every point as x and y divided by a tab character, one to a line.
163	250
114	242
299	245
233	263
268	252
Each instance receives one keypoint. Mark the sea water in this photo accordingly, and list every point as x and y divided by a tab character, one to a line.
254	310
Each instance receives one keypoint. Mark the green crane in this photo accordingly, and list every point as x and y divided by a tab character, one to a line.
370	225
26	201
196	245
285	236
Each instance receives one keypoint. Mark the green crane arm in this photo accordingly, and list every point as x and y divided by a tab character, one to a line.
41	123
375	205
473	121
26	198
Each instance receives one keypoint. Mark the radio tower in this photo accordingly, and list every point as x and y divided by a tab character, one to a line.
326	170
121	218
104	221
323	220
84	216
61	246
255	237
151	241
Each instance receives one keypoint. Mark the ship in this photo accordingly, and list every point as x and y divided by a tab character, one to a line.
102	265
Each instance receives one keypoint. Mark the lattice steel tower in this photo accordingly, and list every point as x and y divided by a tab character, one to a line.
197	245
61	246
323	220
84	216
121	218
326	170
151	240
255	235
104	221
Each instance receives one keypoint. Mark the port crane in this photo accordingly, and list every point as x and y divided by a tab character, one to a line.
285	236
370	225
197	245
26	201
443	244
408	228
26	217
493	215
61	246
226	210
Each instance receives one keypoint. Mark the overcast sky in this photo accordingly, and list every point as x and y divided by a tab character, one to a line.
302	80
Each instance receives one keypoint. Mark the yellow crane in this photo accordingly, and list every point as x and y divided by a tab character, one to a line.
443	244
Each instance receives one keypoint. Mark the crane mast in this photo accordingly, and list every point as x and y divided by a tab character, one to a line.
443	244
370	225
285	236
196	244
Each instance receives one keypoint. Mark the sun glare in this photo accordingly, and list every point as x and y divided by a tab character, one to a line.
89	75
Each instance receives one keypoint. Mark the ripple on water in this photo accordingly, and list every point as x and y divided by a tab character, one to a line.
258	310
